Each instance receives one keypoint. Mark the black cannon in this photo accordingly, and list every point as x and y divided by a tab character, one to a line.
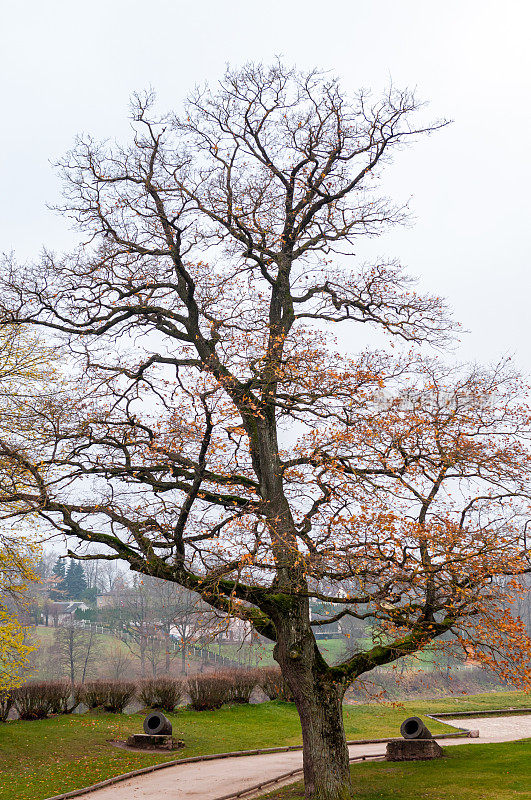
156	724
157	734
414	728
417	744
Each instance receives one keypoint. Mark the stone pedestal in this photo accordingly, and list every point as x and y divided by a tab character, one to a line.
413	750
145	741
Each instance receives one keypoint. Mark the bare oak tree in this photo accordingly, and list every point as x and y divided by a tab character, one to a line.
215	438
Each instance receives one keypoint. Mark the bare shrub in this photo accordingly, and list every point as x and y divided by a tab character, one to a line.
441	682
32	700
165	693
119	694
112	696
59	693
273	684
385	683
67	699
208	691
6	704
118	664
242	682
93	694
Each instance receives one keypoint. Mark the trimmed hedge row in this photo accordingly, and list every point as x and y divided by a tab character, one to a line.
39	700
206	691
112	696
164	693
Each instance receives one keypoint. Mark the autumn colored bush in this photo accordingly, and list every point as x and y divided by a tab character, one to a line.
208	691
442	682
165	693
273	684
112	696
6	704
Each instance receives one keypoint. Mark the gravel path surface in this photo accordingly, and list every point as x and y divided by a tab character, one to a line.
494	729
208	780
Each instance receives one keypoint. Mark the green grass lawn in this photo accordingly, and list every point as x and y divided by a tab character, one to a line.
467	772
486	701
262	654
46	757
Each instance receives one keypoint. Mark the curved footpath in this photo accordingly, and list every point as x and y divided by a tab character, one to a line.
210	780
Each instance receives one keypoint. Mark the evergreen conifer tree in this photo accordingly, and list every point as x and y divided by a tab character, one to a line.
75	581
59	574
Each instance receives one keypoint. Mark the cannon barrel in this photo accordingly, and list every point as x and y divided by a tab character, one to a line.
414	728
156	724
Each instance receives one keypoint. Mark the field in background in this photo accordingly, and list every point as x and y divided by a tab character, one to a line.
109	651
334	650
260	654
408	678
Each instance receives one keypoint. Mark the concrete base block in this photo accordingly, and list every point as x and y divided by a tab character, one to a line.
413	750
146	741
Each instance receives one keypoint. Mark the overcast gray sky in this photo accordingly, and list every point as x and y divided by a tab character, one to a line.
69	67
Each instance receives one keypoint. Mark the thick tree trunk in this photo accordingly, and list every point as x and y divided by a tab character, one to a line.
318	699
325	752
319	703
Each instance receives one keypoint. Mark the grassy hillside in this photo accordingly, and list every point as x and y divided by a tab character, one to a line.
107	650
260	655
104	641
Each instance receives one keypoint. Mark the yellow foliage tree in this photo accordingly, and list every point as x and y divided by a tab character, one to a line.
25	367
14	649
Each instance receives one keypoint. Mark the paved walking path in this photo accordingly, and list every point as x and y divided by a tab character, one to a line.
208	780
493	729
